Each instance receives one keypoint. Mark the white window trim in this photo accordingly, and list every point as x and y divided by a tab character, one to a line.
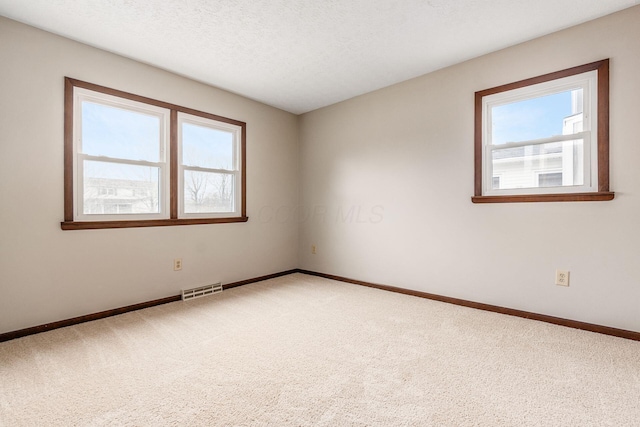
236	170
588	82
83	94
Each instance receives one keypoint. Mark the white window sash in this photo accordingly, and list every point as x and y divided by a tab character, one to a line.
236	172
81	95
588	83
235	198
588	167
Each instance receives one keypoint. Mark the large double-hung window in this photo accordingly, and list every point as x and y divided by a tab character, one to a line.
132	161
120	166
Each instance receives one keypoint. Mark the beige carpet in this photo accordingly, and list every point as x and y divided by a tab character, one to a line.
305	351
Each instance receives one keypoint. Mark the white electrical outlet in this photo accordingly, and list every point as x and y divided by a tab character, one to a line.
177	264
313	249
562	277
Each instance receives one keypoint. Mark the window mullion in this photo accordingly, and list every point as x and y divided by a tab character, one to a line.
174	179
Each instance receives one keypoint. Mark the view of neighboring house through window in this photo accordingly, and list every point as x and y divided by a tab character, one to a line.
531	130
551	179
541	136
132	161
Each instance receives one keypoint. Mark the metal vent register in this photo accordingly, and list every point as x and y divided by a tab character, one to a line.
201	291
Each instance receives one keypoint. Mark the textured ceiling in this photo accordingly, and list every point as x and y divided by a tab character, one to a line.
299	55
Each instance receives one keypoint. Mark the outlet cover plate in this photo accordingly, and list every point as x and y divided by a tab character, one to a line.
562	277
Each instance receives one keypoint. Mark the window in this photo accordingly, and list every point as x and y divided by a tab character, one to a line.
132	161
545	138
208	166
119	144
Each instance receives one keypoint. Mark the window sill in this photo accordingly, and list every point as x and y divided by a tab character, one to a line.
93	225
570	197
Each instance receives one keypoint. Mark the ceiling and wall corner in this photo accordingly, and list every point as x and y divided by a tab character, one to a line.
305	54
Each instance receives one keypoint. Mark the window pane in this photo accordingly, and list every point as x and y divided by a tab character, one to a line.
495	182
207	147
113	188
119	133
208	192
536	118
553	179
544	165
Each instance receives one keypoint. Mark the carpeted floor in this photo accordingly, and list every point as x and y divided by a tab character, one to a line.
304	351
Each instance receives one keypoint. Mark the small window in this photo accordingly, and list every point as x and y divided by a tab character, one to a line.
545	138
132	161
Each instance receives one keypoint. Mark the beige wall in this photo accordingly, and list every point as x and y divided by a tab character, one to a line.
47	274
402	158
384	179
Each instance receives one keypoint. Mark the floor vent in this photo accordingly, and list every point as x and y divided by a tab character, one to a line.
202	291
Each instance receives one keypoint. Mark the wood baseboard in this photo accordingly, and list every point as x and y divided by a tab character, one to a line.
621	333
7	336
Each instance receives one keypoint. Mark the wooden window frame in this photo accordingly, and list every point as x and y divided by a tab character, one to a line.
69	222
603	193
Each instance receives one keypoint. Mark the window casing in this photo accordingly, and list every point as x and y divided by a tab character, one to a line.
545	138
130	161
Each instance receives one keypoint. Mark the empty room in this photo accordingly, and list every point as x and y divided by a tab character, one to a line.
306	213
